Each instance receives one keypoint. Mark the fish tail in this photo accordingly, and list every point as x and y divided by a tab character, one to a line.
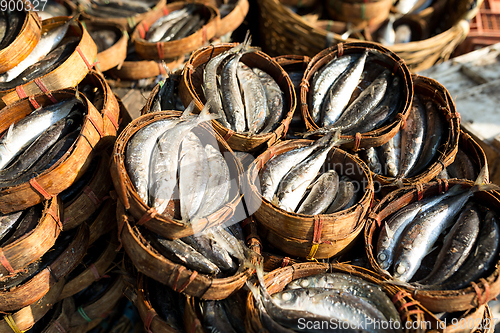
483	176
485	187
398	182
189	110
337	140
247	41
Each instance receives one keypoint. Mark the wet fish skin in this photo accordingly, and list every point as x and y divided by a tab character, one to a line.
322	194
335	304
215	318
47	43
372	160
462	167
293	186
387	33
344	196
372	293
193	175
362	106
28	221
275	101
324	79
256	109
393	228
482	257
176	28
212	251
190	27
457	245
3	27
218	185
230	91
412	138
139	151
340	92
15	21
276	168
391	155
419	237
41	144
384	112
433	139
25	131
210	86
180	252
160	26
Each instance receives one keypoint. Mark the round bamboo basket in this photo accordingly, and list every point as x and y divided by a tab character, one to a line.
284	32
110	109
23	44
273	261
35	243
474	151
151	263
68	74
93	193
234	19
64	172
152	321
60	321
428	89
127	23
161	224
180	47
359	12
95	271
36	287
99	308
191	89
104	222
412	313
137	70
116	54
320	236
471	297
25	318
378	136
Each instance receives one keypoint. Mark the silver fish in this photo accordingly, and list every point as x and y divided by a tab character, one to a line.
387	33
47	43
456	247
275	100
390	153
164	160
210	87
139	151
323	191
276	168
7	222
372	160
402	34
353	285
231	96
340	92
193	175
254	95
219	182
392	229
212	250
419	237
293	186
324	79
344	197
215	318
160	26
25	131
336	304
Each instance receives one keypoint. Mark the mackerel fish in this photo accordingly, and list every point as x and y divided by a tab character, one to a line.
254	94
322	194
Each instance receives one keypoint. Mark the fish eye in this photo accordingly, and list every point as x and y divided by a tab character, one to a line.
286	296
401	269
304	283
382	256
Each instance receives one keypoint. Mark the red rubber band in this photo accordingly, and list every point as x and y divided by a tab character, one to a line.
285	262
357	141
59	327
340	49
420	191
149	320
37	187
80	52
34	103
111	118
5	263
229	134
20	92
44	89
318	227
92	196
188	282
150	214
98	129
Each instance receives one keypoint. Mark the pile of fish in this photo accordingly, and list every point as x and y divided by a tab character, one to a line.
461	168
332	89
246	100
296	180
116	8
48	54
226	315
334	301
414	148
169	166
177	24
167	97
216	251
453	230
104	38
38	141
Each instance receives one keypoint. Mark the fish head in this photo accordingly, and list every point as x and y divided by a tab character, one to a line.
287	298
383	260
